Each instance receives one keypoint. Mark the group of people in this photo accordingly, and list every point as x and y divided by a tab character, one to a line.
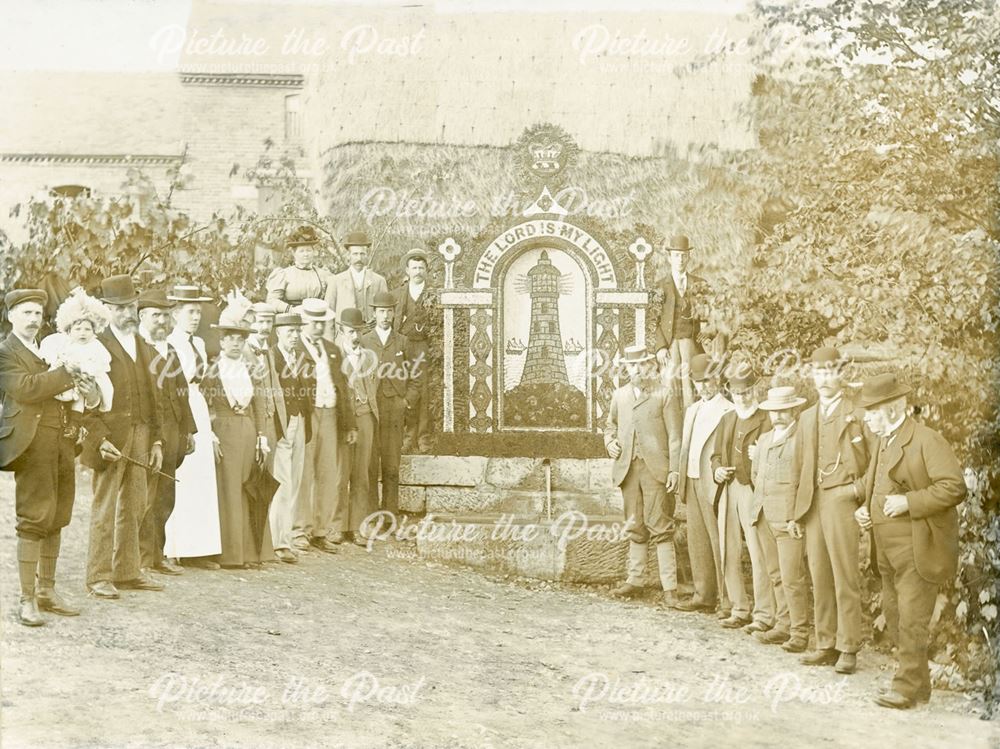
285	441
317	390
797	487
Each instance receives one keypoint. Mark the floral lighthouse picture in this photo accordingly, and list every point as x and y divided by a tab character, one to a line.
545	334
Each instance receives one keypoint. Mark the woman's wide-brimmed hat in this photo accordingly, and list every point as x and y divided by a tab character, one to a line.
881	389
781	399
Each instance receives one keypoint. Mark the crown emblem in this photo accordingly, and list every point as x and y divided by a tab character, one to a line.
545	157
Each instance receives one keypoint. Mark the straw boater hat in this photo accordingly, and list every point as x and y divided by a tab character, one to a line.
315	310
81	306
263	310
225	330
781	399
187	294
18	296
881	389
636	355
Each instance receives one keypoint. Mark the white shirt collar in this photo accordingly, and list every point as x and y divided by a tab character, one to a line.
359	277
127	340
383	335
829	404
416	289
745	414
891	431
29	343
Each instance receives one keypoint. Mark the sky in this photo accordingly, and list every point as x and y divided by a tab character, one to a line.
118	35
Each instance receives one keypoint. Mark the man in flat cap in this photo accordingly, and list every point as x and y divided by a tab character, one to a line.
835	451
332	423
355	287
678	332
912	486
398	379
124	445
412	319
177	421
303	279
37	447
643	437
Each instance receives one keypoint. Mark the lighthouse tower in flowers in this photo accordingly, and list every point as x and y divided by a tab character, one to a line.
544	360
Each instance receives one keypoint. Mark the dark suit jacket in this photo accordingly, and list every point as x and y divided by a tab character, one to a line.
289	382
26	383
114	425
395	362
172	390
727	448
697	288
923	467
656	418
856	444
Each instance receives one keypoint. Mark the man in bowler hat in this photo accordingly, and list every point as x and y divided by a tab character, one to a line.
356	286
911	489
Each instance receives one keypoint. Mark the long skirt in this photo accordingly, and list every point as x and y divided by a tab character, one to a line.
238	441
193	527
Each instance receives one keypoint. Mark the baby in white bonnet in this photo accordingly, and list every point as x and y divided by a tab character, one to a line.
79	320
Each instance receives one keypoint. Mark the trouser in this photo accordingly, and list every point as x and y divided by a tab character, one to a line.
682	350
787	567
161	492
731	549
649	508
353	497
703	543
121	497
832	539
318	491
44	484
289	460
908	604
741	496
417	420
385	455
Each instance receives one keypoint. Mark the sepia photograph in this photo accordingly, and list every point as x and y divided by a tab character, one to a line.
493	374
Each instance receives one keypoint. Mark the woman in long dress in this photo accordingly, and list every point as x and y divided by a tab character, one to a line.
192	531
238	422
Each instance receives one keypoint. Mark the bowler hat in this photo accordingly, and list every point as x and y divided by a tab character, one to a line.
827	356
743	378
357	239
781	399
704	367
287	318
17	296
118	290
679	243
302	237
352	318
155	298
383	299
315	310
187	294
415	254
636	355
881	389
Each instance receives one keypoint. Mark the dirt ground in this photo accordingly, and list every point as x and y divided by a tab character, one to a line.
377	649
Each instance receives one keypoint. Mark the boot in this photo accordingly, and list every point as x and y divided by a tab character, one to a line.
27	562
635	569
48	599
666	559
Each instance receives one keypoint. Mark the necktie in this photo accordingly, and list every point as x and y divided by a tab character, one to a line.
199	367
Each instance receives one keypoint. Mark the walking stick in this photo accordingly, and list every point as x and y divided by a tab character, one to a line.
146	466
